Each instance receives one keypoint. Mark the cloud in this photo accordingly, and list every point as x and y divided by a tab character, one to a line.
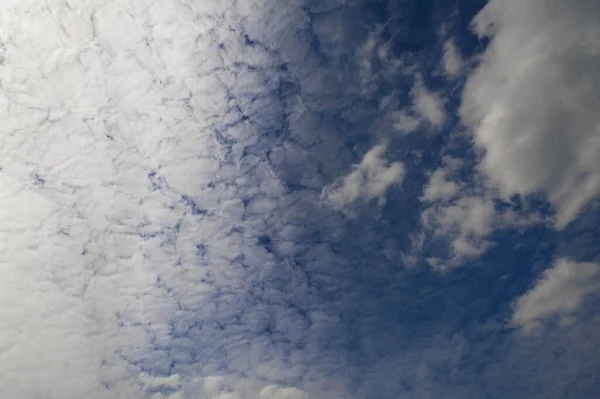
427	109
455	213
532	102
161	234
559	293
466	223
172	381
274	392
439	188
369	180
428	104
459	216
135	184
214	387
451	60
160	188
404	122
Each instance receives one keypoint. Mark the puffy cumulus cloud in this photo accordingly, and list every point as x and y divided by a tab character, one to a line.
427	109
558	294
532	102
452	61
369	180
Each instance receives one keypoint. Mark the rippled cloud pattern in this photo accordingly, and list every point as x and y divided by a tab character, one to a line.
299	199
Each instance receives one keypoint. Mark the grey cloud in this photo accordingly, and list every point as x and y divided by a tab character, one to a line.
532	101
452	61
427	110
558	294
439	188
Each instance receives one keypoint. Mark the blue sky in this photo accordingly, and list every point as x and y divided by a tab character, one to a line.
299	199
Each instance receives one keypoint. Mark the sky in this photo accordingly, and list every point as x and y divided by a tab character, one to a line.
299	199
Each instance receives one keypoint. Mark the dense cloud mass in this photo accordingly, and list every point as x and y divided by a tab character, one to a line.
532	102
300	199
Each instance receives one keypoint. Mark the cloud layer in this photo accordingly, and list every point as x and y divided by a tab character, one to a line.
176	180
132	217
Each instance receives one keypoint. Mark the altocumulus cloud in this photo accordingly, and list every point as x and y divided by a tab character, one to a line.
152	207
133	203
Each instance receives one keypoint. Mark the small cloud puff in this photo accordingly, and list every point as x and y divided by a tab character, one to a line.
466	222
439	188
452	61
370	179
427	109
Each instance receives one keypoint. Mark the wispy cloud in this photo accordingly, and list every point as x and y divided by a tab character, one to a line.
452	61
558	294
427	110
369	180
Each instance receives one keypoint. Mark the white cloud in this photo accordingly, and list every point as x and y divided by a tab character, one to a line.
451	59
439	187
532	103
559	293
457	213
465	222
463	214
172	381
427	109
404	122
120	211
369	180
228	387
428	104
274	392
